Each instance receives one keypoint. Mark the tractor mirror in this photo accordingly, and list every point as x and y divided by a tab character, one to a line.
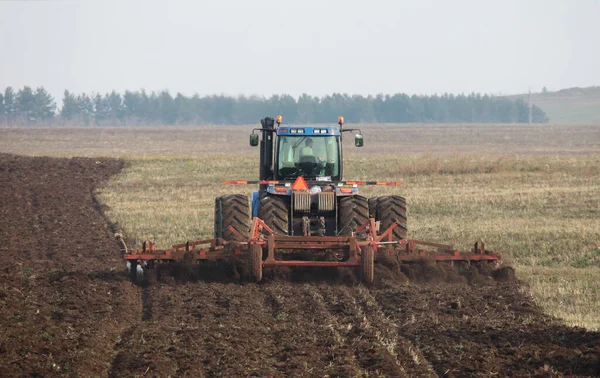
358	140
254	140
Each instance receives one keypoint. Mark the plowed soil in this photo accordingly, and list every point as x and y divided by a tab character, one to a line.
67	307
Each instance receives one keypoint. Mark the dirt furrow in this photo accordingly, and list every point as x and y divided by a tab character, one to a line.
470	330
407	353
295	331
65	300
371	355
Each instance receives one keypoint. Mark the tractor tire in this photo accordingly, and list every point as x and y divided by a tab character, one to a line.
367	264
353	212
392	209
232	210
373	201
255	263
274	211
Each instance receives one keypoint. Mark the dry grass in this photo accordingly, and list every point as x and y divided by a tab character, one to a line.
572	294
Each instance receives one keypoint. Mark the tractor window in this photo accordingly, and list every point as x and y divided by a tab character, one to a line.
308	156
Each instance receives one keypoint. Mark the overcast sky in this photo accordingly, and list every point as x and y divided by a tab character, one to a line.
315	47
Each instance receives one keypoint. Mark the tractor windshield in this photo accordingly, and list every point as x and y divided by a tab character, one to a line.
308	156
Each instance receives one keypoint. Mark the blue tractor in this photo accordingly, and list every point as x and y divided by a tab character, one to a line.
301	187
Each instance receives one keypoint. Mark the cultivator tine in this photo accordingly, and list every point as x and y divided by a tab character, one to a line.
140	271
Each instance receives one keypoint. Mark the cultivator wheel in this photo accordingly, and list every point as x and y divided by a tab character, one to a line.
367	264
274	211
353	213
232	210
392	209
255	263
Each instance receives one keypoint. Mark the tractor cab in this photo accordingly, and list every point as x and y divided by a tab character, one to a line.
310	152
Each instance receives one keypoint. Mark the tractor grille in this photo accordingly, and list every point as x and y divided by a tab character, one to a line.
302	201
326	201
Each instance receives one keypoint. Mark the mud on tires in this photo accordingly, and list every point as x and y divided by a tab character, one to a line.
231	210
392	209
353	213
274	211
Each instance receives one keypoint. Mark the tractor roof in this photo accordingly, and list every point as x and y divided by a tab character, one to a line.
309	130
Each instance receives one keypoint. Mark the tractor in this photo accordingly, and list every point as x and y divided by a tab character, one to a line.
304	214
302	191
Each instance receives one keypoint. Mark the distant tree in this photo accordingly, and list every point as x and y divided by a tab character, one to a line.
85	109
102	109
70	108
45	107
167	108
306	109
132	105
286	104
544	90
26	105
117	110
10	105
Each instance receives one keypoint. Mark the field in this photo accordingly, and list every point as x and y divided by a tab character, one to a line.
531	192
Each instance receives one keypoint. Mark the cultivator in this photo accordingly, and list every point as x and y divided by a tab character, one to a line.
365	247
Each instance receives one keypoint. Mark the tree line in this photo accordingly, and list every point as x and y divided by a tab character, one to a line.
37	107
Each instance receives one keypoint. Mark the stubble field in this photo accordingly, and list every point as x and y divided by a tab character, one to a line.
530	192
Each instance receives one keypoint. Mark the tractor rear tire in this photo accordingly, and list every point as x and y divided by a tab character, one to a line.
392	209
274	211
367	264
232	210
255	263
353	212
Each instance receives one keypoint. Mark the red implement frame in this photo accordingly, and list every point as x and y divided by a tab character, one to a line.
405	250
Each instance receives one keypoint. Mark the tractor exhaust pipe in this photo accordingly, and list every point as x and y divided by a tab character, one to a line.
266	151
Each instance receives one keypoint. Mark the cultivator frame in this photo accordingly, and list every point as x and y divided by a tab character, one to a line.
359	250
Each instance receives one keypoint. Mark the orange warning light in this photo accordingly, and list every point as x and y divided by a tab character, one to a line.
340	120
279	118
300	184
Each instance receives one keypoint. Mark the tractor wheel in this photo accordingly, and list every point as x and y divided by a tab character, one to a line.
353	212
273	210
392	209
367	264
255	263
373	201
231	210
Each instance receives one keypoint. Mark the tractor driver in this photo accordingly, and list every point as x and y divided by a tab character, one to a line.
308	159
307	150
